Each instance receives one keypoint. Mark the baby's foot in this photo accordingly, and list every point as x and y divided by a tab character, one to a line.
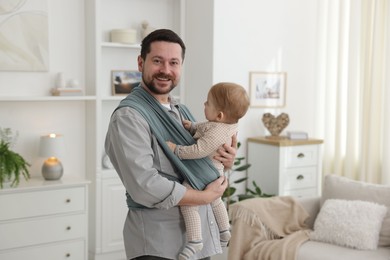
190	249
224	237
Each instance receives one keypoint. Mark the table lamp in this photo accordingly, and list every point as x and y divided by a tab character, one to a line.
51	147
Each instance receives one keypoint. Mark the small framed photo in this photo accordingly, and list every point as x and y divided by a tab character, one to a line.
267	89
123	81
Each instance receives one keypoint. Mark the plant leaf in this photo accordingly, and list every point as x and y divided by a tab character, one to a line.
242	168
240	180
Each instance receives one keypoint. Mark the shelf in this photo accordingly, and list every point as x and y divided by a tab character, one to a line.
46	98
121	45
113	98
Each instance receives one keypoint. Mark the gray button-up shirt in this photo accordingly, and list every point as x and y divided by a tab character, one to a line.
137	158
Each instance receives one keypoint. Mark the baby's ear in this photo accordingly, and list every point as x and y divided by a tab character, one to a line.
220	116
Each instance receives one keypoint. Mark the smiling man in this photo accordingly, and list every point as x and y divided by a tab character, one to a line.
150	172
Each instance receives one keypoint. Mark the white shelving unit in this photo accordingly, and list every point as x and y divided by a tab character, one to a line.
107	205
83	120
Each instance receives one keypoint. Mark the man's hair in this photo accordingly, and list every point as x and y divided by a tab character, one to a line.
164	35
230	98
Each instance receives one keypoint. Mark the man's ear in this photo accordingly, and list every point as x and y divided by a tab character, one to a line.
140	62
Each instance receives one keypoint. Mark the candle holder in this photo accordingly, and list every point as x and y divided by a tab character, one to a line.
51	147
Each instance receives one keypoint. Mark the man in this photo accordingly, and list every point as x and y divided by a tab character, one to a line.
154	228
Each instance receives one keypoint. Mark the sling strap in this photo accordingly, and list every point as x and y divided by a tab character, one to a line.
197	172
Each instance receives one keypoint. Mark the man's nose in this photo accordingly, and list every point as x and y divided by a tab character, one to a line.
164	67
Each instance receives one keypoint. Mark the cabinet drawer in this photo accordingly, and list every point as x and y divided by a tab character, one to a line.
43	230
299	178
304	155
68	250
300	193
42	202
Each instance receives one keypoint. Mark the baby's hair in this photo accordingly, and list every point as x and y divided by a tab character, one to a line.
230	98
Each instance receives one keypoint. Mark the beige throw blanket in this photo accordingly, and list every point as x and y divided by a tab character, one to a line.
267	229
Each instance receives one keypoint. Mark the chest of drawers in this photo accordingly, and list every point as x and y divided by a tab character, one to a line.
285	167
44	220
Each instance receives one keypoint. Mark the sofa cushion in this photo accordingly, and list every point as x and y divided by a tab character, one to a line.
338	187
350	223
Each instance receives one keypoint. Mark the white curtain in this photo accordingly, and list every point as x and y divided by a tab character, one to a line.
354	83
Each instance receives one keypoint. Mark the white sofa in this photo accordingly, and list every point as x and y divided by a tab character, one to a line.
336	187
351	221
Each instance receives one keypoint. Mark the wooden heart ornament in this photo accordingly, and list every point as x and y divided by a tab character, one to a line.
275	125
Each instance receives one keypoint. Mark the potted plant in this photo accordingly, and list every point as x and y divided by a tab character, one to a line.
229	195
12	165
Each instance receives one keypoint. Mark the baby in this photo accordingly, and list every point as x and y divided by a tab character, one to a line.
226	104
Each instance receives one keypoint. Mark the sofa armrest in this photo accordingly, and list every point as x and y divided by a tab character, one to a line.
312	206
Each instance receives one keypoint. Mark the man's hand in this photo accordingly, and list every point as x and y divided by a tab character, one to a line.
227	153
217	187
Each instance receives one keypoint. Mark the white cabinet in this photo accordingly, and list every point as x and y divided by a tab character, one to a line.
113	217
44	220
108	201
285	167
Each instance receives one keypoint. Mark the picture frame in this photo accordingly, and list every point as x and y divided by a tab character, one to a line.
123	81
267	89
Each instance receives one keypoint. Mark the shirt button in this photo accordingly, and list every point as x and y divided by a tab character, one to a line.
211	222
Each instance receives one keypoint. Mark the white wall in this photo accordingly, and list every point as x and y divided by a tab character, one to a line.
198	64
254	35
260	35
235	37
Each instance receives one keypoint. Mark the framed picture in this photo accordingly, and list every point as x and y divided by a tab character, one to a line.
267	89
123	81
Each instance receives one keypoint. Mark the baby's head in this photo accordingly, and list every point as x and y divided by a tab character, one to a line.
230	98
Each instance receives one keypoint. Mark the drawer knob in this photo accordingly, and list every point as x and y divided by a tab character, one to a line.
68	200
301	155
67	255
68	228
300	177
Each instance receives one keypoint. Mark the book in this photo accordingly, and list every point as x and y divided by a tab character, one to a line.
67	92
297	135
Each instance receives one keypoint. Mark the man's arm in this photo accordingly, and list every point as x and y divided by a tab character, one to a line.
212	191
128	146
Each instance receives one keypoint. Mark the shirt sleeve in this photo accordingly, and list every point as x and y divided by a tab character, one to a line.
132	151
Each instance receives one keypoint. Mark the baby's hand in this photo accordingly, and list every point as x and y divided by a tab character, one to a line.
187	124
171	146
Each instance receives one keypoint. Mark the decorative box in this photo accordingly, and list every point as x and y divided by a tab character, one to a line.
127	36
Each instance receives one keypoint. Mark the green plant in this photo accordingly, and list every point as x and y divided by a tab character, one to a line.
12	165
229	195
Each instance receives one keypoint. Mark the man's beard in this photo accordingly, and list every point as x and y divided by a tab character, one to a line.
152	87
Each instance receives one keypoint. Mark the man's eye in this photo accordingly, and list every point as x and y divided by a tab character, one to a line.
156	61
